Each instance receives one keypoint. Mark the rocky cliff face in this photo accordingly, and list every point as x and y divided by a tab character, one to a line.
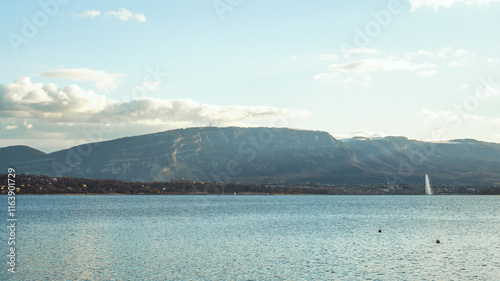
265	155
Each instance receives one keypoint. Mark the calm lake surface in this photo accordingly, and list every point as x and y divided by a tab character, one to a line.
255	238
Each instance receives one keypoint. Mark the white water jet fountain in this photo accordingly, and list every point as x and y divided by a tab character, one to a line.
428	190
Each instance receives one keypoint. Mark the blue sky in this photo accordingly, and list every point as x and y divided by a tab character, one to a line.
72	72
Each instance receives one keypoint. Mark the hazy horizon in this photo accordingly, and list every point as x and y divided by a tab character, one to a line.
426	70
97	139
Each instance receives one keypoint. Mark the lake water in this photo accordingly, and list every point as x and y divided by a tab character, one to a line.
255	238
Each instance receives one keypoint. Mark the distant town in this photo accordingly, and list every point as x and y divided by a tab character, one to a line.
32	184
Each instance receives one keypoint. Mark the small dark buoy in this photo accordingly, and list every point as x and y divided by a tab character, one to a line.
437	241
380	230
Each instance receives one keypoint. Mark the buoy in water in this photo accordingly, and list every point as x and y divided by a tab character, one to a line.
380	230
437	241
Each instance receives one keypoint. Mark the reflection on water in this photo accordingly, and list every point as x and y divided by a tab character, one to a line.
257	238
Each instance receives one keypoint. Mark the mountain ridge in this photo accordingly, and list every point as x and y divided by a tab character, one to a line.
261	154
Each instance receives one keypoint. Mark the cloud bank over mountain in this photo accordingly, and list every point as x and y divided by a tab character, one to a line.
27	105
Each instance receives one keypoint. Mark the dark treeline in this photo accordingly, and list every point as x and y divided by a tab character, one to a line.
30	184
490	191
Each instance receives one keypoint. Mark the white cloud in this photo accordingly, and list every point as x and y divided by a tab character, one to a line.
443	53
461	53
25	99
454	118
162	111
340	72
387	64
446	116
125	15
11	127
325	77
29	126
420	53
360	51
458	56
151	85
88	14
420	62
436	4
103	81
461	57
343	79
489	91
361	133
48	103
122	14
463	87
492	60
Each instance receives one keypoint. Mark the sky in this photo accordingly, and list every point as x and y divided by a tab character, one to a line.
74	72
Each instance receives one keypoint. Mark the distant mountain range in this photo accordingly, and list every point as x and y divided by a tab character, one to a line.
236	154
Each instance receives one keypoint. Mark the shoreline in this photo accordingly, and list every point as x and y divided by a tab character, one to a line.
254	194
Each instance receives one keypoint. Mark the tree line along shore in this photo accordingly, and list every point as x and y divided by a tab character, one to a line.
39	184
